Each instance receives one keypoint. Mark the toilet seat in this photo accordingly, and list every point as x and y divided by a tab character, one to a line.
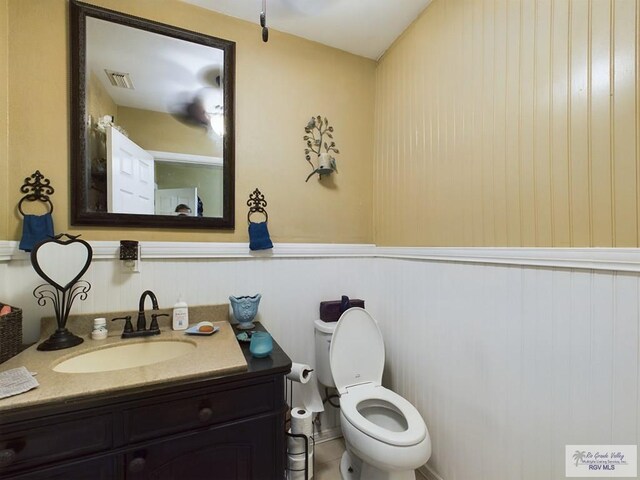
416	429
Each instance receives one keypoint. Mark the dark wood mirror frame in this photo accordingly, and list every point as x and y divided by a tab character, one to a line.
80	166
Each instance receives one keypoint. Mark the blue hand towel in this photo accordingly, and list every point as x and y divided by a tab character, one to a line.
35	228
259	236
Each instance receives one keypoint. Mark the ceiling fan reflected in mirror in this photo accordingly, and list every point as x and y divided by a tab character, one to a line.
204	108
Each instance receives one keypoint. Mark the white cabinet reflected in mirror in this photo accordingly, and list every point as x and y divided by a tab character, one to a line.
152	123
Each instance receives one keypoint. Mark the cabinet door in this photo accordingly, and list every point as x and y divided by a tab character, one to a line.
243	450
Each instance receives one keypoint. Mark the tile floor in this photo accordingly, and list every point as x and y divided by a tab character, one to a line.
328	456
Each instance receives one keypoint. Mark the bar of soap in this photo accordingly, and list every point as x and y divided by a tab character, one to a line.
202	328
5	310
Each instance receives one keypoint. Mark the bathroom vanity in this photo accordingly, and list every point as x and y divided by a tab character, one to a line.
228	426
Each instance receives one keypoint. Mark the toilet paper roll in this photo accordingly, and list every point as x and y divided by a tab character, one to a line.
301	421
295	445
311	395
295	465
308	388
296	475
300	373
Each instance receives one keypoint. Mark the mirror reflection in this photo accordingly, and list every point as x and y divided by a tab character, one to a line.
155	108
152	122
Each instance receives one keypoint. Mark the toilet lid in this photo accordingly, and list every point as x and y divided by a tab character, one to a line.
357	350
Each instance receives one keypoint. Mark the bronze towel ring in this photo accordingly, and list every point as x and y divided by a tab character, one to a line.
256	204
37	189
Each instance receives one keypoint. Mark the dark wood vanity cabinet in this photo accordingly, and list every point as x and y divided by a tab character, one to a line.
244	449
96	469
230	427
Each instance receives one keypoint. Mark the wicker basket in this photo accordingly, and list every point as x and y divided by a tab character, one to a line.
10	333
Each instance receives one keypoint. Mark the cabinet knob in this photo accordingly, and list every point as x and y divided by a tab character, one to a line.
137	465
205	414
7	457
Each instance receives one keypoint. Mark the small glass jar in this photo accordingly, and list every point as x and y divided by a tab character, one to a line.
261	344
99	329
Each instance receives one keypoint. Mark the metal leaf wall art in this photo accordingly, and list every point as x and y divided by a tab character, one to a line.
319	136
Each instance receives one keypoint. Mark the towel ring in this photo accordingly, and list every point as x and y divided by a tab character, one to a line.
37	189
256	204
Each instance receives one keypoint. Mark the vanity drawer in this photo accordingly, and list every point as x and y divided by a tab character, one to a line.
38	445
193	411
97	469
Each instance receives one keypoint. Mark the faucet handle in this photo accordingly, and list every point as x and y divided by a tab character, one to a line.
154	320
128	327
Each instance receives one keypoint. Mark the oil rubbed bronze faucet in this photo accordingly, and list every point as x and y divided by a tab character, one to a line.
141	325
142	321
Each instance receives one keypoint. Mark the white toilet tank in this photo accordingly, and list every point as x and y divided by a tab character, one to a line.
323	333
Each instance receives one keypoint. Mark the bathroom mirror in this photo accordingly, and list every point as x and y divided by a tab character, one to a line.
152	123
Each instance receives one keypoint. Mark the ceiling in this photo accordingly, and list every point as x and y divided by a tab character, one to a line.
363	27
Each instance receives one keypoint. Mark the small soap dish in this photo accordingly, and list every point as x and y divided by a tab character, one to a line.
202	328
245	337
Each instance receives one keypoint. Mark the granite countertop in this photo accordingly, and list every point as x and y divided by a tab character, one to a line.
216	355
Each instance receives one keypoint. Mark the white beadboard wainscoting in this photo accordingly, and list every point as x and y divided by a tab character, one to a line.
509	354
508	364
291	289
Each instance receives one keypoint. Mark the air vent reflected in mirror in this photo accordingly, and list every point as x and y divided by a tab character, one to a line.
120	79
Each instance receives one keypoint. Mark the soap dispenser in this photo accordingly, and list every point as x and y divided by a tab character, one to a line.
180	315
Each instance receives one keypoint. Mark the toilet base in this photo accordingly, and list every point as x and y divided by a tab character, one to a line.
353	468
350	466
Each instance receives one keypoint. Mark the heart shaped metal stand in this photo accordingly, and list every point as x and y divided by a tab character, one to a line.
62	338
61	263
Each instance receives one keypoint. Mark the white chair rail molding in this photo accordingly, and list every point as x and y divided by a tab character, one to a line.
508	354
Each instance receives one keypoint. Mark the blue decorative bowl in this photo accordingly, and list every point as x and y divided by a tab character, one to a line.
245	310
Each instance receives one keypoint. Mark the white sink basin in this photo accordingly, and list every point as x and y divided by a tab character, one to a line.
126	355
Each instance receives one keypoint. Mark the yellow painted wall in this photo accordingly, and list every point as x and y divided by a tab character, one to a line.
503	123
99	102
161	132
511	123
279	86
4	137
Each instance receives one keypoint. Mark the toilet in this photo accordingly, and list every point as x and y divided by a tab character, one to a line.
385	435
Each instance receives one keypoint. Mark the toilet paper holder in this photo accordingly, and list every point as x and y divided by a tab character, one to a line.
309	446
309	440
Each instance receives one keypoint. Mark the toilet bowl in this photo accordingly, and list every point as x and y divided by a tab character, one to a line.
385	435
